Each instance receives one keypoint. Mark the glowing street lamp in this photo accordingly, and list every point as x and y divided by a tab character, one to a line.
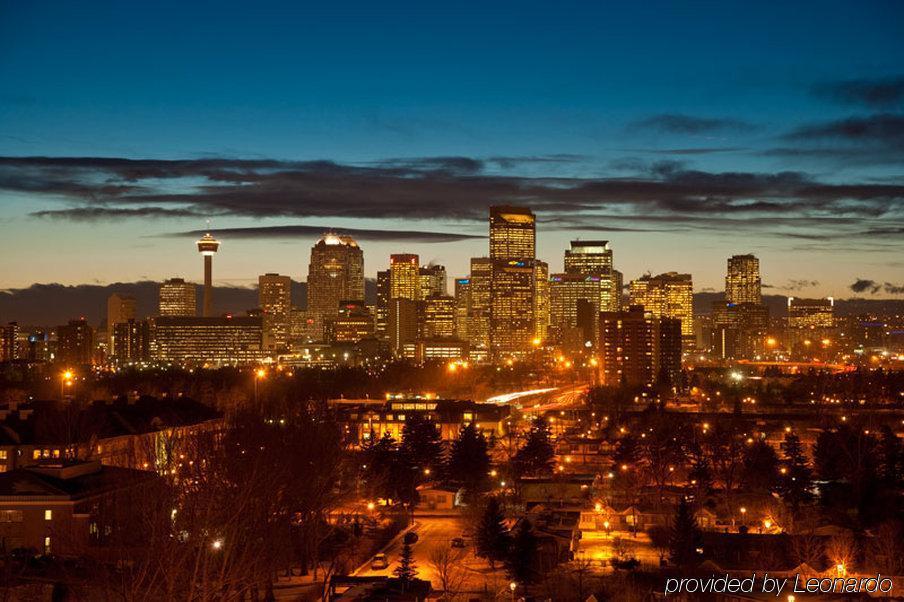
65	381
259	374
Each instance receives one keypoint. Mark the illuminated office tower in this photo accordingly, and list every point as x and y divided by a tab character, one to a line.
403	325
462	307
404	277
75	343
381	311
120	308
274	293
9	342
191	341
335	274
567	294
513	285
668	295
479	312
811	327
512	233
541	300
208	247
742	281
611	286
438	317
354	323
178	298
432	280
588	257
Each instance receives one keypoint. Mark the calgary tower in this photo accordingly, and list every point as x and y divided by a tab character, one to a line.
207	246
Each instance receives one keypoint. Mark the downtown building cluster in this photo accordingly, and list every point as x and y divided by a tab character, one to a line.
510	307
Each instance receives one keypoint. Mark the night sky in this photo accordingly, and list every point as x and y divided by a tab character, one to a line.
683	133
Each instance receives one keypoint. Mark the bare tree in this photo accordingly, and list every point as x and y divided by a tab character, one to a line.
447	564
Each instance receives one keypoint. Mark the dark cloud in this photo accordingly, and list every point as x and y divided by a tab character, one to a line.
873	93
800	284
450	188
673	123
862	285
358	233
893	289
94	214
886	129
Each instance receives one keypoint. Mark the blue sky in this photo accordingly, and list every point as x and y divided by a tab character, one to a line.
700	107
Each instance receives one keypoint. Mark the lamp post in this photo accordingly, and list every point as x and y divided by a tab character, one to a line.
259	374
65	380
513	586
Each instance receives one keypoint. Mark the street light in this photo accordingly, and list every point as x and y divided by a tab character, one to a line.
513	586
65	381
259	374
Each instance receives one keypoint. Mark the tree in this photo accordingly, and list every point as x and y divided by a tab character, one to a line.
421	442
469	462
686	537
536	455
407	569
661	540
492	536
796	479
519	563
759	471
446	563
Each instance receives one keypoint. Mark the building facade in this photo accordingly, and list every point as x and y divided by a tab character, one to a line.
335	274
177	298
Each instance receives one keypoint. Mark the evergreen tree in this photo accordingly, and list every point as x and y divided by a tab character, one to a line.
536	455
407	569
796	480
759	471
492	535
686	537
469	462
522	552
421	443
700	476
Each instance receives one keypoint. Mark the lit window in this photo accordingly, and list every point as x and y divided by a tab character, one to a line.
48	515
3	455
36	454
47	545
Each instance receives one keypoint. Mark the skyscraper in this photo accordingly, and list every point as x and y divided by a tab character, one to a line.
75	343
462	307
479	312
9	342
381	311
742	282
207	247
275	301
566	292
403	326
178	298
438	317
432	280
513	304
668	295
638	348
541	300
335	274
120	308
811	326
404	277
588	257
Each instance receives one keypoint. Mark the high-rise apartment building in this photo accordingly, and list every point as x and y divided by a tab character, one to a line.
274	294
120	308
131	341
178	298
9	342
669	295
637	348
541	300
335	274
742	281
75	343
404	277
513	287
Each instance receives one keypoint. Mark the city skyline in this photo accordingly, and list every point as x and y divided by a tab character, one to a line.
791	147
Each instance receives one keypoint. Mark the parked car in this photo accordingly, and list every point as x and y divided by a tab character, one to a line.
379	562
458	542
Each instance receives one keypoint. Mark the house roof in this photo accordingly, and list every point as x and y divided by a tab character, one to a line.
55	484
